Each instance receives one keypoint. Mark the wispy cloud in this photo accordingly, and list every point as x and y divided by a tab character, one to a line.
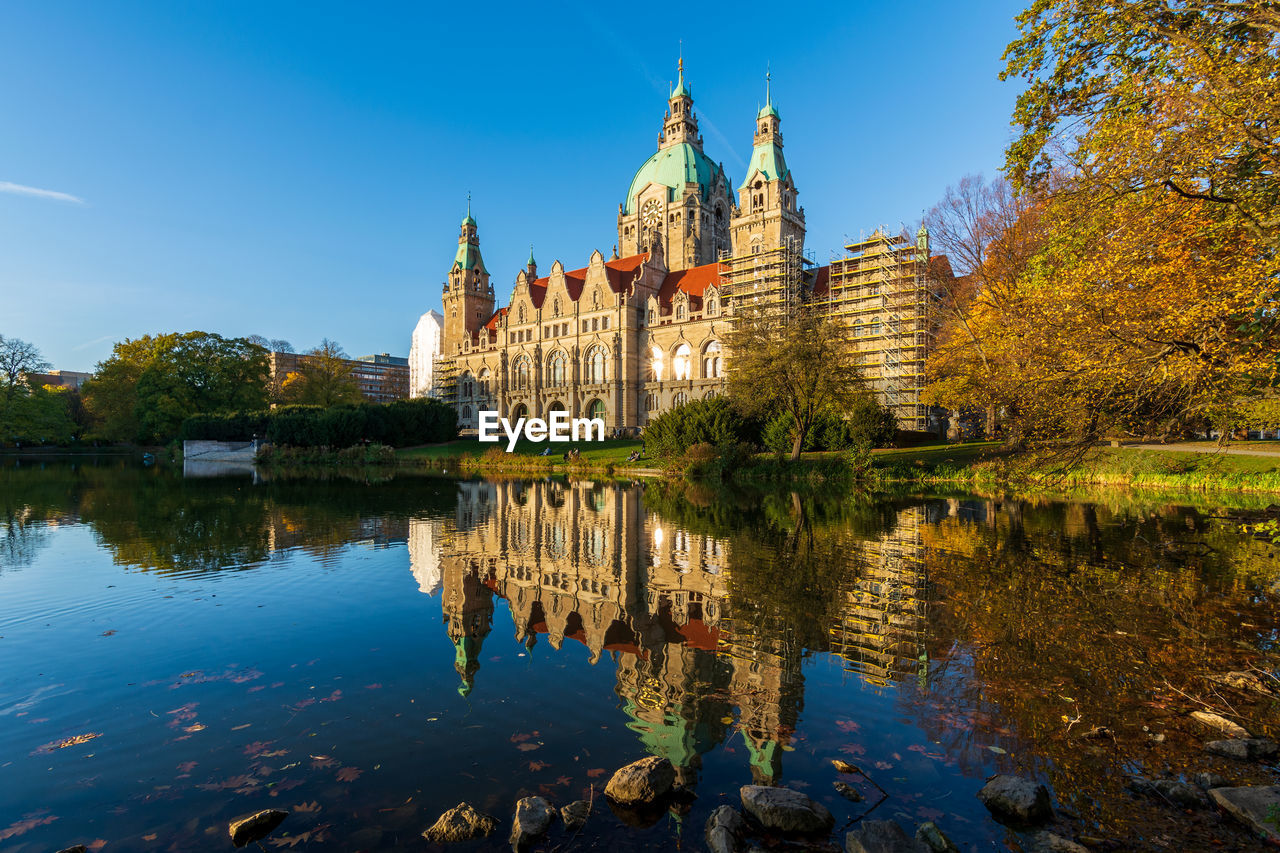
93	342
36	192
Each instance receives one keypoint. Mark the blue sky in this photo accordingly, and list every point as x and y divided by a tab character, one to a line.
298	170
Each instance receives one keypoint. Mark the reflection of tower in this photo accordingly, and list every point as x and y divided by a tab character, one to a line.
424	554
468	610
768	688
881	632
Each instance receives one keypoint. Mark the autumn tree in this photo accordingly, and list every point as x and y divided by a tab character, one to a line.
800	366
322	378
1154	97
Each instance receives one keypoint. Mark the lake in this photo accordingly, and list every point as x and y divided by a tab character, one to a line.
177	652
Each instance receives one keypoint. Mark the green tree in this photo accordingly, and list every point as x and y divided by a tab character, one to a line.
148	386
323	378
800	366
17	359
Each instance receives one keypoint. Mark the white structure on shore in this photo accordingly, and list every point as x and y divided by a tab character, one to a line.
422	355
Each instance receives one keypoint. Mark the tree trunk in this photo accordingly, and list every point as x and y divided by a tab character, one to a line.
797	444
990	425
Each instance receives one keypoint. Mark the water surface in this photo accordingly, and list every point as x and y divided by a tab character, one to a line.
177	652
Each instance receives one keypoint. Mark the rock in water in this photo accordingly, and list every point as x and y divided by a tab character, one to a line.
1047	842
79	848
724	828
847	791
641	781
881	836
935	839
1221	724
1254	806
255	827
785	810
575	814
461	823
1178	793
1243	749
1211	780
1015	800
533	819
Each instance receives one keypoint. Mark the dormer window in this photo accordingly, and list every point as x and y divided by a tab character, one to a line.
680	311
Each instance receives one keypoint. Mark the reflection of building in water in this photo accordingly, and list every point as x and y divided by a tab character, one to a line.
587	563
424	554
881	630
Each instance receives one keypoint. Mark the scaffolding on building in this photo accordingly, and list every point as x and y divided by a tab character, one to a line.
770	280
879	290
445	380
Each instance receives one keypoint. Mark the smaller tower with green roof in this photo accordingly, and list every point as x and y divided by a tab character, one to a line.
468	295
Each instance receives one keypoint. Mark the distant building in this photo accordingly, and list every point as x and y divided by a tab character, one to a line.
381	378
72	379
423	353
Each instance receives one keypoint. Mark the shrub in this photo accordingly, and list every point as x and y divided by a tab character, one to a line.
866	422
712	422
398	424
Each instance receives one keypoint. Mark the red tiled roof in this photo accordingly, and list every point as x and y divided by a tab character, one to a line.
493	321
693	281
821	281
620	274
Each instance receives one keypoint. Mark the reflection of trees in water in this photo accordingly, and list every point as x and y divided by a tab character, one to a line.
22	533
1054	619
153	519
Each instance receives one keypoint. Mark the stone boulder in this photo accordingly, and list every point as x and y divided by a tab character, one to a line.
1243	749
1015	800
725	828
1047	842
461	823
575	814
785	810
935	839
1220	724
532	820
881	836
255	827
641	781
1254	806
1211	780
1178	793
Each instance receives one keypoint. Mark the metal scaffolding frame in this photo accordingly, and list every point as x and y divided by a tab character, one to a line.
879	291
771	280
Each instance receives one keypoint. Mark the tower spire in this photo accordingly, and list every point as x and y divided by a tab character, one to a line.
767	78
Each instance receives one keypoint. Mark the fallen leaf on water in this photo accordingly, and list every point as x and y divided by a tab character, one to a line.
28	823
528	747
241	727
848	726
535	766
333	697
349	774
307	808
187	766
374	686
320	762
520	736
595	772
997	750
96	844
197	727
76	740
276	753
152	837
883	765
564	780
258	747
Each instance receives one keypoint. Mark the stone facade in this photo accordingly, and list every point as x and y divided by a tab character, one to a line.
627	337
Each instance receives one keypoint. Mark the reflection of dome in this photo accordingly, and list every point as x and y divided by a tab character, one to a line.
673	167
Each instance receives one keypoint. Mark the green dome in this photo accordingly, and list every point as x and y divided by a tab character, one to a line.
468	219
674	167
768	110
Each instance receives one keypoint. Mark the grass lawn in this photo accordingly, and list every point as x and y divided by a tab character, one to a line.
930	457
612	451
1260	447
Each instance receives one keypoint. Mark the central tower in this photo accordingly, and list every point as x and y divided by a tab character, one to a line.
678	197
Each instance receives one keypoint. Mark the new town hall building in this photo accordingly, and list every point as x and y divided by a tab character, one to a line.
632	335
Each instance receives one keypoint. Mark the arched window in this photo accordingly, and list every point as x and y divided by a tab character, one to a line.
680	311
594	366
466	387
520	411
655	364
651	402
712	366
520	374
680	399
466	413
484	381
556	369
596	409
680	364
